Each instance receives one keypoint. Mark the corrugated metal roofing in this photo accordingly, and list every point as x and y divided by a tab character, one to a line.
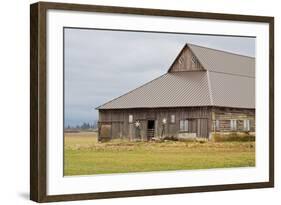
225	62
187	89
232	90
229	81
170	90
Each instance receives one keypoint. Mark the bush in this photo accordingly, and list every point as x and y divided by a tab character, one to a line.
170	138
245	137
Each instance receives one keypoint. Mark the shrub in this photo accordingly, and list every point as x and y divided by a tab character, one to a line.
171	138
244	137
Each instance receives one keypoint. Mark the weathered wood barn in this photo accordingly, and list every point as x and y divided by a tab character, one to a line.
204	91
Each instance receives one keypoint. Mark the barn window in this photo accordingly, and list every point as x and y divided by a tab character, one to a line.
233	124
246	125
131	119
173	118
193	59
184	125
217	125
180	60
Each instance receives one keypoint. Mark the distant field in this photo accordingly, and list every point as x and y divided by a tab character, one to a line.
85	156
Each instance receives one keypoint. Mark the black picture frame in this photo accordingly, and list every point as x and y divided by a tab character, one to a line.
38	100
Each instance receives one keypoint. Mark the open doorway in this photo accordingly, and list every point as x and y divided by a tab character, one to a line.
150	129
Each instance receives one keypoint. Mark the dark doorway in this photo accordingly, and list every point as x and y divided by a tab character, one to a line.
150	124
150	129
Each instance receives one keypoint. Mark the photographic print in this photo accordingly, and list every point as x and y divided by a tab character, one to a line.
134	102
137	101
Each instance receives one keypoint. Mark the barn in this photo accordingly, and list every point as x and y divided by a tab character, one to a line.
204	91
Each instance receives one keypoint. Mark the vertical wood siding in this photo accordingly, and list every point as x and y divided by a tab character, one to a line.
224	115
120	126
185	62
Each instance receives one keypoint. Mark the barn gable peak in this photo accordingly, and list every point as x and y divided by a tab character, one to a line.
186	60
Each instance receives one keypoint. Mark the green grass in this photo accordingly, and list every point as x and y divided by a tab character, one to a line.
85	156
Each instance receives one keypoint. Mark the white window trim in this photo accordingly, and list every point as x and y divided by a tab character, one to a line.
184	124
173	118
233	124
181	60
193	59
217	125
246	125
131	118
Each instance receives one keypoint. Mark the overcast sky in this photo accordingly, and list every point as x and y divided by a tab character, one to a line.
101	65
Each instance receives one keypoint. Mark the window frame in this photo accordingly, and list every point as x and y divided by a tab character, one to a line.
193	59
172	118
233	124
217	125
185	124
131	118
246	125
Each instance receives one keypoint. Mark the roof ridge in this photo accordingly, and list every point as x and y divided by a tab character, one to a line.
220	50
210	88
240	75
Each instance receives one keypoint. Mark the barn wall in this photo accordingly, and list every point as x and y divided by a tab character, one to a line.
117	121
185	63
224	115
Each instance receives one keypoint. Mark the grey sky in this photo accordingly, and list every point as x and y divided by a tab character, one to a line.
101	65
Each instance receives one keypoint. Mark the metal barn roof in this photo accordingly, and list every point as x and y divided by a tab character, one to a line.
232	90
169	90
227	81
225	62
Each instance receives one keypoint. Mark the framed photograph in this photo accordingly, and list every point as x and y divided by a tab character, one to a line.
134	102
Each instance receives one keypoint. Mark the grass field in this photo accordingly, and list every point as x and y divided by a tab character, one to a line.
85	156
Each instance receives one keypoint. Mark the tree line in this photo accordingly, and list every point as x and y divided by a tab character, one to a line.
84	126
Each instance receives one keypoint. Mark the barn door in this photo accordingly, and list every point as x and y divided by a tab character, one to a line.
150	129
202	128
104	132
117	130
